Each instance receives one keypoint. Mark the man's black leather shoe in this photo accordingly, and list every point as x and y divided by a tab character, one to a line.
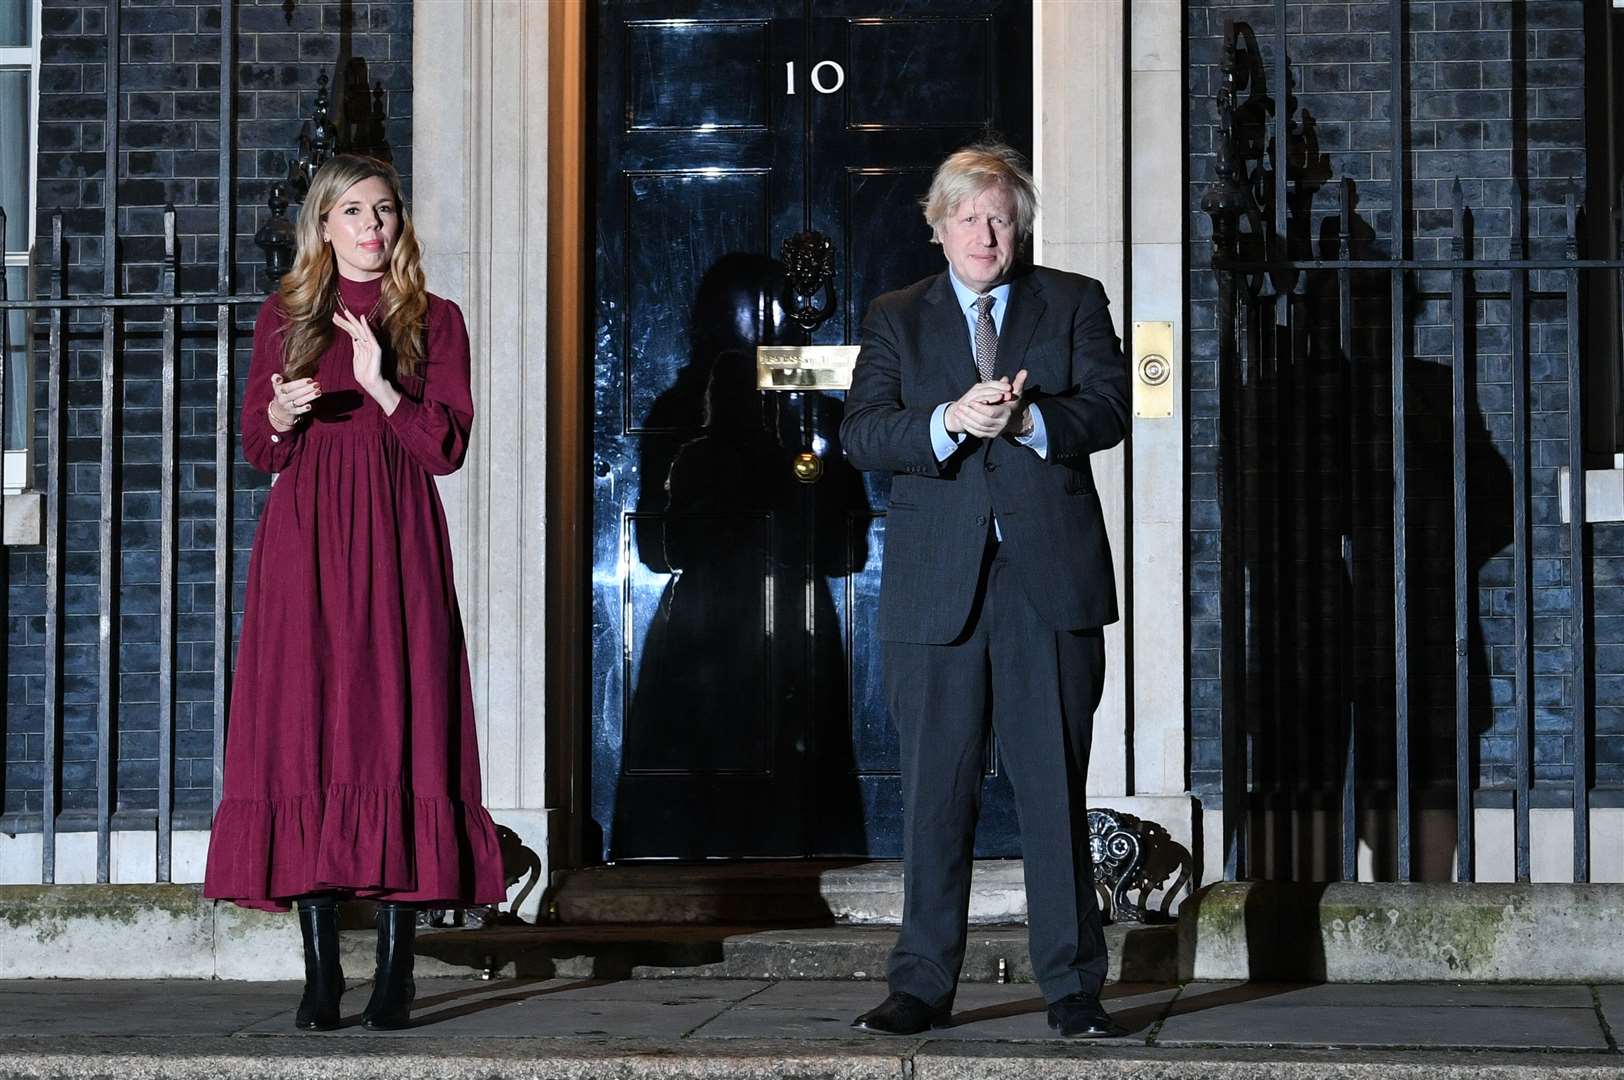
904	1014
1081	1016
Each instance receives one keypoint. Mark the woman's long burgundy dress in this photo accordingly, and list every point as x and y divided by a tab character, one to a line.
351	760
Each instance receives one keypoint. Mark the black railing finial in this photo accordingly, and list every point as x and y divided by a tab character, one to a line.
275	237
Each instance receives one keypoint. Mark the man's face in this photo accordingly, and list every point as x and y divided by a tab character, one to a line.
978	236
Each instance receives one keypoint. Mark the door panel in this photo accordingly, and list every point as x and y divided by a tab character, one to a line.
738	702
912	73
698	76
678	224
884	202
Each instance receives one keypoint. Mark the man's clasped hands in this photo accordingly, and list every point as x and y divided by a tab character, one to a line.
990	408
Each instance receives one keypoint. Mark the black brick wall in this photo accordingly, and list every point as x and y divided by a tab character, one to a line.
169	139
1496	95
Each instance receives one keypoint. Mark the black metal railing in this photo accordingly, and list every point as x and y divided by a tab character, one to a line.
1266	179
181	317
171	303
53	311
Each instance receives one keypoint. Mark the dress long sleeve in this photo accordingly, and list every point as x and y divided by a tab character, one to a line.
263	447
436	410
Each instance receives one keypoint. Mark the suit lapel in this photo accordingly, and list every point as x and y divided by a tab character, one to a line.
1026	308
945	337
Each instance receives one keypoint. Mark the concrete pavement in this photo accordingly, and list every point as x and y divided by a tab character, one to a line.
739	1028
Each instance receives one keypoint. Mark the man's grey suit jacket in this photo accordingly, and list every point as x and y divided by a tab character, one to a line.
916	354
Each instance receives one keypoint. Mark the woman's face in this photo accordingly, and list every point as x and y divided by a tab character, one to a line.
363	227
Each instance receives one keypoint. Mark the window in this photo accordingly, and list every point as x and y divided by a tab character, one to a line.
19	108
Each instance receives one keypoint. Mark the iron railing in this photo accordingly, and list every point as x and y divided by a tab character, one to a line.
1260	163
112	306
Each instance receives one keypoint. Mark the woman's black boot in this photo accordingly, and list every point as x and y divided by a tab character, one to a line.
324	978
392	988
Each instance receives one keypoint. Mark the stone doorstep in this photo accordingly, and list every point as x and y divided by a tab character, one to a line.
793	891
1139	954
291	1057
774	890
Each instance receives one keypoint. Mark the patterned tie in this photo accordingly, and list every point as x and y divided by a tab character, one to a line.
986	338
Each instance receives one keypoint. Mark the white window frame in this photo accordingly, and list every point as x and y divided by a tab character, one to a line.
17	471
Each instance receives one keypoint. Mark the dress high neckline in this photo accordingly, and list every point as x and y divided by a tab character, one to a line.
360	296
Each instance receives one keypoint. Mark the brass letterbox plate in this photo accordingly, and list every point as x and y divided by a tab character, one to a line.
805	367
1153	371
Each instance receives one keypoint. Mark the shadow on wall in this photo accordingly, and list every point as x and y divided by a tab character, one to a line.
1318	527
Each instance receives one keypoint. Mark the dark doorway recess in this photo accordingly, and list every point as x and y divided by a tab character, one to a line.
737	708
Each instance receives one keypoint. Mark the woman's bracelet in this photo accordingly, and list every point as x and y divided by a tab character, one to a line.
276	424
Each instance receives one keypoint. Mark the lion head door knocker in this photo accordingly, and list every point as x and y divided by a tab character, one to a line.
810	287
807	299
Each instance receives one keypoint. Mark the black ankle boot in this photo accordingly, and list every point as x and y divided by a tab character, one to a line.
392	988
324	978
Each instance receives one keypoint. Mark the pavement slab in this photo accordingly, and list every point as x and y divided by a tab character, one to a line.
1533	995
1010	1013
980	1011
797	1010
1610	1000
724	1029
72	1007
543	1008
1421	1015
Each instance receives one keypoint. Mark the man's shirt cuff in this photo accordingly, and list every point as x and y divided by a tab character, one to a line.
1037	440
943	441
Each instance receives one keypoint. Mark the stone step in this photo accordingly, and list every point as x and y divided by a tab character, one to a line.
1139	954
779	891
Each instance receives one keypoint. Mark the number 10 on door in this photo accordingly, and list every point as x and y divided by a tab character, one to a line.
827	77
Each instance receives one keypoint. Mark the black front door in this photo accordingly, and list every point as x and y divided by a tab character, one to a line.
737	705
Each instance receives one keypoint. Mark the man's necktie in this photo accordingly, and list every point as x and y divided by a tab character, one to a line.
986	338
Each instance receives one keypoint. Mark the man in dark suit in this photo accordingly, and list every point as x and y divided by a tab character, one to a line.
982	391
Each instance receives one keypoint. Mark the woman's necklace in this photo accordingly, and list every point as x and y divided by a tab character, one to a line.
367	318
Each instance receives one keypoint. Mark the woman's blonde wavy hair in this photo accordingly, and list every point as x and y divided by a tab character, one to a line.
309	291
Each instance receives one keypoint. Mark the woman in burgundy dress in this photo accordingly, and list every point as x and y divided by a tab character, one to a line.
351	767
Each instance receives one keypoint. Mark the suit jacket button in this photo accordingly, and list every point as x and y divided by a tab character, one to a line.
981	520
992	466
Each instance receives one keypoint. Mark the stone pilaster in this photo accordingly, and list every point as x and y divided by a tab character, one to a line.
480	204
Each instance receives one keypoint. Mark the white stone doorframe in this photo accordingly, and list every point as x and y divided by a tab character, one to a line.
480	198
1109	149
479	202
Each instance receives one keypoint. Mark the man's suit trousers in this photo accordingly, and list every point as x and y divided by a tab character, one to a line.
1039	687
